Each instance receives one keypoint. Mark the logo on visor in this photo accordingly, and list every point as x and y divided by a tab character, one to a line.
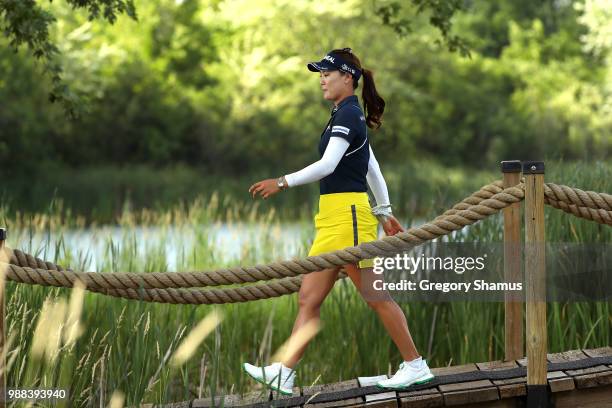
346	68
329	58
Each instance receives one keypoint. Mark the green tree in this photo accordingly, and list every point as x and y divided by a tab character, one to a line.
25	22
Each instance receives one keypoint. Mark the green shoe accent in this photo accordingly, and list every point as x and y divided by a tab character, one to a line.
279	390
404	387
269	385
249	374
425	381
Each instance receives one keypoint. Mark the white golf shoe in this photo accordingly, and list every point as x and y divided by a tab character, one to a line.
276	376
408	375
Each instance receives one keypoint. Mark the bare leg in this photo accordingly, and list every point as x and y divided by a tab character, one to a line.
388	310
313	291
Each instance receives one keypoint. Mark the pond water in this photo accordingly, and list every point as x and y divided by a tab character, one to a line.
91	248
91	245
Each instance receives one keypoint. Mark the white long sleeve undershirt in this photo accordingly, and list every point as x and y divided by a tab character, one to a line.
332	155
376	181
334	151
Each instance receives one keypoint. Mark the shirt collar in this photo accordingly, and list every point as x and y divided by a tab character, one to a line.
351	98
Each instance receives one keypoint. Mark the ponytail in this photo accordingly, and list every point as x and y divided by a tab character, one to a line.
373	103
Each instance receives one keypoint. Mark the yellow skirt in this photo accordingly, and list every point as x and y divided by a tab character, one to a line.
344	220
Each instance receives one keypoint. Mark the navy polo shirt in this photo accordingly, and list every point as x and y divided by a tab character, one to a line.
348	122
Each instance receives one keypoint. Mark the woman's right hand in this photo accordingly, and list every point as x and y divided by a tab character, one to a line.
266	188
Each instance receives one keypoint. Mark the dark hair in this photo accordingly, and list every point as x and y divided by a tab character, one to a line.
373	103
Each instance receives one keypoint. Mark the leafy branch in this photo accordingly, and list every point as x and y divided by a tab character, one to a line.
26	23
442	12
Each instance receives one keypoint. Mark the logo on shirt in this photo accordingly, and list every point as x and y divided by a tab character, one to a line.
362	118
340	129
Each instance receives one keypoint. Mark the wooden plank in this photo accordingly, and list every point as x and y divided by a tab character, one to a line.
276	395
427	398
599	352
297	392
233	400
512	387
516	380
556	374
469	392
559	381
256	396
390	403
331	389
512	390
471	396
513	308
588	370
535	273
464	368
594	380
509	388
586	375
351	402
465	386
220	400
509	403
565	356
496	365
385	399
597	397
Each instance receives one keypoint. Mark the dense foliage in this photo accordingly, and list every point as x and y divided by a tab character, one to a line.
221	86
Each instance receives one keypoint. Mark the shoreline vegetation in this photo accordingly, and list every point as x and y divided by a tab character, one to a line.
103	195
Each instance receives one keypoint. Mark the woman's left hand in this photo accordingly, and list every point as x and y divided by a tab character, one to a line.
266	188
392	226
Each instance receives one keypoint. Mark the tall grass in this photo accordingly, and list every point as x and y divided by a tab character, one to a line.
126	346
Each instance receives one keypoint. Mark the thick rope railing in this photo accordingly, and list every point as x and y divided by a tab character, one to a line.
477	197
136	285
589	205
46	273
166	287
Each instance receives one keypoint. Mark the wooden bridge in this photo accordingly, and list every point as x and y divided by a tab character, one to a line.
576	378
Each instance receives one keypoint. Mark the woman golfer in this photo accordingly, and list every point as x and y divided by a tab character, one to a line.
346	168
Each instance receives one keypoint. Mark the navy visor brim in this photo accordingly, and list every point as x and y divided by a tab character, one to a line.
320	66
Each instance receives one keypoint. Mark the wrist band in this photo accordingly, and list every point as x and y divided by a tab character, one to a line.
383	209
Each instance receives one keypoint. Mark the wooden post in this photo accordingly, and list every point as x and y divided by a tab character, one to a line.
2	334
514	347
535	272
